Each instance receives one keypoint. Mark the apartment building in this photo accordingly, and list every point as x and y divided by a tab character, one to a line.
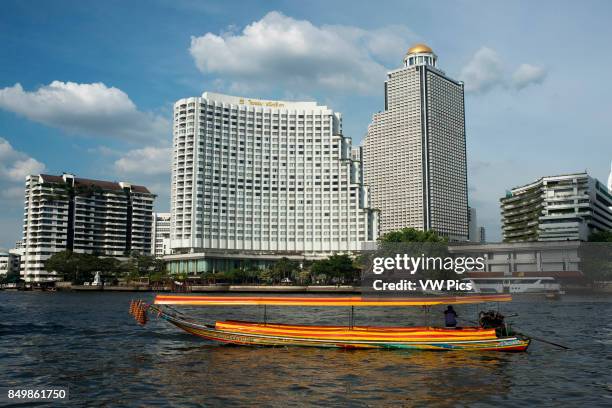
82	215
160	244
556	208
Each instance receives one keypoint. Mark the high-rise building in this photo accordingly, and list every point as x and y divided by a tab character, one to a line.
255	179
160	244
610	180
17	252
6	264
556	208
472	225
81	215
482	235
415	150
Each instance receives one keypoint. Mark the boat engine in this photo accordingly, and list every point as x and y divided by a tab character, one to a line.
491	319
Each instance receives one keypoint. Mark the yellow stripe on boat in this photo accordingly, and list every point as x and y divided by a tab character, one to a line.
313	332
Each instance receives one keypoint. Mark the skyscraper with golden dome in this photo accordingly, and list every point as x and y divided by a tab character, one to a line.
415	150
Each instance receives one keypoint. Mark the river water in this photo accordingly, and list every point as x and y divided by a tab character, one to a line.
90	344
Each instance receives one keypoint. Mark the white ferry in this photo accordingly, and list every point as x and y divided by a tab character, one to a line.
515	285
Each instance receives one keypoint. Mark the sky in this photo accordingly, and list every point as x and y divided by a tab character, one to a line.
87	87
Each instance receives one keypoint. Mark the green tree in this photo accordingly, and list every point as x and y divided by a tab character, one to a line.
337	266
303	277
601	236
414	243
596	260
283	268
412	235
10	278
74	267
266	275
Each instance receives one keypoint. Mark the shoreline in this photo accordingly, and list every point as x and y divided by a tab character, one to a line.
342	289
212	289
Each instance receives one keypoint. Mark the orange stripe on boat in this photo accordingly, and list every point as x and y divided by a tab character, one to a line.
373	328
345	333
324	301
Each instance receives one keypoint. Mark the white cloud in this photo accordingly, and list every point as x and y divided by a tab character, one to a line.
88	109
22	168
104	151
15	193
387	44
146	161
486	71
279	51
15	165
149	166
528	74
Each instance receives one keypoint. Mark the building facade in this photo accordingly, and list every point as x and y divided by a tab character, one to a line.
556	208
18	252
415	150
472	225
6	264
81	215
257	179
482	235
561	260
160	244
610	180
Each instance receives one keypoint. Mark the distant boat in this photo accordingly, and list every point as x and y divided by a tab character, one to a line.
263	333
542	285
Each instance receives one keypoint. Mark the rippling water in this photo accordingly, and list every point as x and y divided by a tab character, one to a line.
89	343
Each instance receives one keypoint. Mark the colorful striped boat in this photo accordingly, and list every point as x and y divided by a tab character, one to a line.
348	337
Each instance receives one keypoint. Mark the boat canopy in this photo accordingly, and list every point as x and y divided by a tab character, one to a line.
326	301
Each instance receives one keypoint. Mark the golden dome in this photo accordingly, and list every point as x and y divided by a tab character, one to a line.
418	48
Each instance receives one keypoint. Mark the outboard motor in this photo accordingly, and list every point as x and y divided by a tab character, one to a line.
492	320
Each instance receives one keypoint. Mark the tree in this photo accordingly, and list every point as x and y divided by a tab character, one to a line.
412	235
79	268
413	242
71	266
596	259
336	266
10	278
601	236
266	275
283	268
303	277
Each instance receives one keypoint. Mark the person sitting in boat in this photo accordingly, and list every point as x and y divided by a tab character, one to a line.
450	317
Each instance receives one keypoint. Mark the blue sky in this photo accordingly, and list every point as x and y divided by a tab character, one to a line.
87	87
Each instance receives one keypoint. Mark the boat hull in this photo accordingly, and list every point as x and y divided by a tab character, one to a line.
290	338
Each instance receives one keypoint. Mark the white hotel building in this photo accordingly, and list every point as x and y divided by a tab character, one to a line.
415	150
255	180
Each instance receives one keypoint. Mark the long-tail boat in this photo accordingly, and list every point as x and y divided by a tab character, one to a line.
348	337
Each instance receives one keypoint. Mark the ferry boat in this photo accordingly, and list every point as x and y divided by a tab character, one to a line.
485	337
545	285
